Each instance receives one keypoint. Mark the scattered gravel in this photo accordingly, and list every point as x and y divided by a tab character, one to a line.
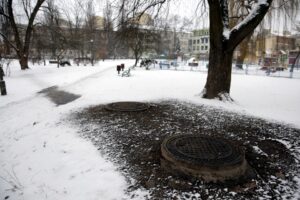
132	141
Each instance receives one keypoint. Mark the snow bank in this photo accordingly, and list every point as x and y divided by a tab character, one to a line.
43	157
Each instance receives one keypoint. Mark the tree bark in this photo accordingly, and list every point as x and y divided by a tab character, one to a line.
220	57
136	62
293	66
219	75
23	62
137	57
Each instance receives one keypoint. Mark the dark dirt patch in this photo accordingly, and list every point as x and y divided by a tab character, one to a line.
132	140
59	97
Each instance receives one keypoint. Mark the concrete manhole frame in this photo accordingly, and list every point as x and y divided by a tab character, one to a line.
127	106
211	166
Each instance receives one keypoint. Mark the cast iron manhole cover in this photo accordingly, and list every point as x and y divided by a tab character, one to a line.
213	159
127	106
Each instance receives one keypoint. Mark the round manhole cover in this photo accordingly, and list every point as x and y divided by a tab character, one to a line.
127	106
213	159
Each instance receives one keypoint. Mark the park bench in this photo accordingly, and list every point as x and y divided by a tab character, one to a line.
126	73
164	64
53	61
193	64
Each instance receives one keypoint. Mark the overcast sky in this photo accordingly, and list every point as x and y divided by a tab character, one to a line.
183	8
188	9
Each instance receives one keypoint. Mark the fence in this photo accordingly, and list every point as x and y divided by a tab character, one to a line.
247	70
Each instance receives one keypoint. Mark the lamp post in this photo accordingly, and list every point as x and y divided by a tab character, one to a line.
2	82
92	53
295	61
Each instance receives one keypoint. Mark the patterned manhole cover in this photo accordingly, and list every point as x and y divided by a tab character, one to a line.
127	106
212	159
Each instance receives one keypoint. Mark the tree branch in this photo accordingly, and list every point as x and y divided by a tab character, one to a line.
14	25
244	28
30	24
9	42
3	13
25	6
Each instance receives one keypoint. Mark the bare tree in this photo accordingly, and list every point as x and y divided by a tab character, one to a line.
21	44
54	32
109	36
137	36
297	57
173	28
75	17
5	28
138	39
90	26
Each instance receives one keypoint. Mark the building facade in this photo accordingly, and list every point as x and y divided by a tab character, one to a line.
273	50
199	44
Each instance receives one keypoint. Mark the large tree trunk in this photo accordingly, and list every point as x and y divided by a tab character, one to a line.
219	74
136	61
220	56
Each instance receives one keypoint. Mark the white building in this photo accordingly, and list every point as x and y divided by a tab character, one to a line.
199	44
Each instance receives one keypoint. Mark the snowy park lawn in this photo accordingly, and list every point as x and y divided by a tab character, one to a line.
42	153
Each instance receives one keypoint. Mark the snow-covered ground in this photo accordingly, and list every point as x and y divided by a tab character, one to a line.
42	155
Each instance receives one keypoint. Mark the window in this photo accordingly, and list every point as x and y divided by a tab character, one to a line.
201	47
202	40
197	48
206	40
193	48
206	47
194	41
198	41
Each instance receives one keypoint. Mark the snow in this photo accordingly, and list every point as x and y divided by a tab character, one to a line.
259	151
226	33
41	158
48	160
42	154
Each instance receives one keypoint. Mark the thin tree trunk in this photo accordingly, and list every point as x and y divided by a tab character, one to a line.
136	61
136	56
293	66
243	49
24	62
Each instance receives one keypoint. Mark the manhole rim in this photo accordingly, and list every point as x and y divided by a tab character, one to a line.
203	171
145	104
192	164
